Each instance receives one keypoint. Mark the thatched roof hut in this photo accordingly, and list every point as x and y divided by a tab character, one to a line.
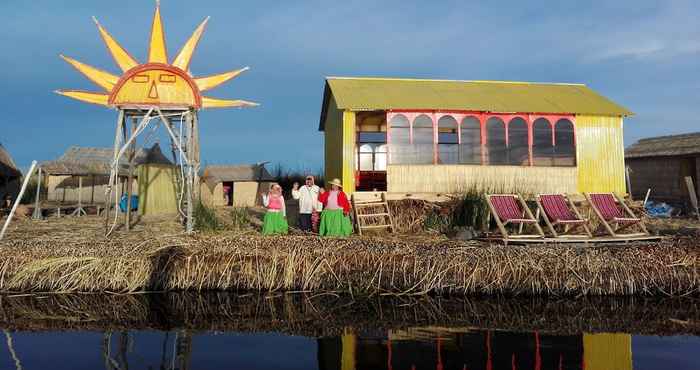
157	177
661	164
233	185
9	175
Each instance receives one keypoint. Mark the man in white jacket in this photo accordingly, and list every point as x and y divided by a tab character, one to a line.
307	196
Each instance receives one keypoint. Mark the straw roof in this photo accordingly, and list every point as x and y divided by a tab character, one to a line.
664	146
242	172
82	161
8	168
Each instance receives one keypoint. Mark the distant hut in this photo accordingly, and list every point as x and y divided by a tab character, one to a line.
661	164
91	164
233	185
157	179
9	175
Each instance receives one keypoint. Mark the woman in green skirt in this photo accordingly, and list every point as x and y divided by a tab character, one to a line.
275	222
335	220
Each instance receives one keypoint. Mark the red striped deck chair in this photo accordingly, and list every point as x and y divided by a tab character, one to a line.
510	209
614	214
559	210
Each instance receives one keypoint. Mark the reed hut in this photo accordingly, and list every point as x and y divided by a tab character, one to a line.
662	164
413	136
83	170
10	175
157	182
234	185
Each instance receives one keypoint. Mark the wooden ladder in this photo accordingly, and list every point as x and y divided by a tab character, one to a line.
372	206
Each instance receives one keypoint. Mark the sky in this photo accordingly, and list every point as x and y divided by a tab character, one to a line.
644	55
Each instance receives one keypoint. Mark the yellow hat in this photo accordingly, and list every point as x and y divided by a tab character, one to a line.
336	182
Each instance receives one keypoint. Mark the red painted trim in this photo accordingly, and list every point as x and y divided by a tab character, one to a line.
156	66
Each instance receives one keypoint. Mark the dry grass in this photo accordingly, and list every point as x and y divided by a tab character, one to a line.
71	255
329	314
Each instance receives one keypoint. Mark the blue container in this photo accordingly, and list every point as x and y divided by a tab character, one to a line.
134	203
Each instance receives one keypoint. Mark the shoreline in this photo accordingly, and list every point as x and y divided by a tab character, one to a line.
33	261
330	315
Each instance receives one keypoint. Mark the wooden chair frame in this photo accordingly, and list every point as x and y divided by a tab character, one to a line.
525	212
616	227
569	227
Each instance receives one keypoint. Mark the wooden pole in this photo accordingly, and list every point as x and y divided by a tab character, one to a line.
19	198
692	194
114	172
629	183
195	153
127	217
190	176
36	215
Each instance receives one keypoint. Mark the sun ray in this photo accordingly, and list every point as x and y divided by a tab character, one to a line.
86	96
103	79
184	57
210	82
122	57
223	103
158	52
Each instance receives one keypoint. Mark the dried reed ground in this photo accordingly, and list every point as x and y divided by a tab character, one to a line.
72	255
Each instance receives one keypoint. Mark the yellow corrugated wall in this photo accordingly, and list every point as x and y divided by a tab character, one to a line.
333	141
348	152
607	351
600	153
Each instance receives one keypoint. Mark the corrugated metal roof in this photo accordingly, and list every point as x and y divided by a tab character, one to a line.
358	94
663	146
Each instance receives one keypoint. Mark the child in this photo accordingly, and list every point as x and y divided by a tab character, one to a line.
275	222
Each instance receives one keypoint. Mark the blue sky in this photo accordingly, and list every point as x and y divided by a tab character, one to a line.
642	54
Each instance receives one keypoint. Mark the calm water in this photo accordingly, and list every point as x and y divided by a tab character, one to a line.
40	343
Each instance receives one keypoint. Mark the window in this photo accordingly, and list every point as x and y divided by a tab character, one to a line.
518	146
448	140
423	140
496	141
470	148
400	146
564	143
371	154
542	146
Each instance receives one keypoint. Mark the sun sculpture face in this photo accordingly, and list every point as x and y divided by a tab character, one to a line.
156	83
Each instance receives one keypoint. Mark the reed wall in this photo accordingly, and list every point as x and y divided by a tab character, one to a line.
460	178
65	189
157	193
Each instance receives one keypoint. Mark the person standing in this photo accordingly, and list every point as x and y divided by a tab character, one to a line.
335	220
275	221
307	195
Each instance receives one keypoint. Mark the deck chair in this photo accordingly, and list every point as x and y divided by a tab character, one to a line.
559	210
510	209
614	214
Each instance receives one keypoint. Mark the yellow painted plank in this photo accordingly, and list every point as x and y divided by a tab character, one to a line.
156	87
103	79
333	142
348	178
123	59
607	351
157	52
223	103
85	96
184	57
600	154
348	361
210	82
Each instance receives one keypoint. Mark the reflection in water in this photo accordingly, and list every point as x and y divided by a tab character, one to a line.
243	331
475	350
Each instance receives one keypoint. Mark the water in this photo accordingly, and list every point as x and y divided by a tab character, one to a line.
329	333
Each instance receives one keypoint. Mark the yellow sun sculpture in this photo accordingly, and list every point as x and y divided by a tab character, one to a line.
156	83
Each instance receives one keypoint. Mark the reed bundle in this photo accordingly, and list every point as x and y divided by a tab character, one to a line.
154	261
328	314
